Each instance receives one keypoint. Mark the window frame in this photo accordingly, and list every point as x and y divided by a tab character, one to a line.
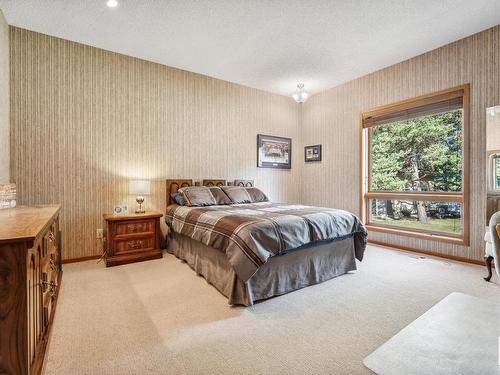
492	156
365	179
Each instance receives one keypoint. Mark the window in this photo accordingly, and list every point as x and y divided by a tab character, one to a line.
415	177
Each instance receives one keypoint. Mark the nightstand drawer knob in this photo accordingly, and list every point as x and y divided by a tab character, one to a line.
132	245
134	227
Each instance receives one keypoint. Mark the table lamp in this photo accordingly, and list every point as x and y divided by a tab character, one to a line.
140	188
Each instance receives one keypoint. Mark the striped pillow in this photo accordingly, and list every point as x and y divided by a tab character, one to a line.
219	195
239	194
203	196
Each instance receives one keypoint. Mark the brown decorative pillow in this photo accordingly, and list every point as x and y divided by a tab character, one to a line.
219	195
239	194
197	196
257	195
203	196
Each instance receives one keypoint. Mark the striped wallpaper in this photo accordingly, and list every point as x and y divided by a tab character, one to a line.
332	118
84	121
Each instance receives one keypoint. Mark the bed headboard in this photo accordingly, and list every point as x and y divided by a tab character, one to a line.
214	182
244	183
174	185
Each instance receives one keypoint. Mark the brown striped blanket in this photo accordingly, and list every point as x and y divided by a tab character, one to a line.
251	233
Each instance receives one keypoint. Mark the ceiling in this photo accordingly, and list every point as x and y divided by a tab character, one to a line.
267	44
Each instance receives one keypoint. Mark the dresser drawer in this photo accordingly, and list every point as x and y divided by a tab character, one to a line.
135	244
132	227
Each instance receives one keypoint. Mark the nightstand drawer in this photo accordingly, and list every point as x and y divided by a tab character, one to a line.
136	244
132	227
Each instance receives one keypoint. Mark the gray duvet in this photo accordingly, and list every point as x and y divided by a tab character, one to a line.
249	234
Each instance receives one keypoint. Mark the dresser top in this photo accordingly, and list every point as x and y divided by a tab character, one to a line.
25	223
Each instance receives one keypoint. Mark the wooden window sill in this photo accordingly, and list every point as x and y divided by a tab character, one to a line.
433	236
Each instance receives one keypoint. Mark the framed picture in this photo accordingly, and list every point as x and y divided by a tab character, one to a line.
274	152
312	153
7	196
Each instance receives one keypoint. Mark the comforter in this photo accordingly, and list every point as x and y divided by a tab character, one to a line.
249	234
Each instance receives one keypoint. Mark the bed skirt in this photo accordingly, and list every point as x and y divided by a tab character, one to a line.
281	274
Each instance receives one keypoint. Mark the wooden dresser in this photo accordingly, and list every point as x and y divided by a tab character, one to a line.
132	237
30	275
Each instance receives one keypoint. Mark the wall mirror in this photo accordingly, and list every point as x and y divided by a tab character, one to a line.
493	160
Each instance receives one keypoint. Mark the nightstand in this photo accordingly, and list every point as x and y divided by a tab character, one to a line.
132	237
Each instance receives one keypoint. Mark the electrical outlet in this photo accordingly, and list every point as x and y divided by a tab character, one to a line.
100	233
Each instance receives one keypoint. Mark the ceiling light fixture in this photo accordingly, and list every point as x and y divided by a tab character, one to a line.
112	3
301	95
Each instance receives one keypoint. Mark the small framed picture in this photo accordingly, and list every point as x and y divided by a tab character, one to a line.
121	210
7	196
274	152
312	153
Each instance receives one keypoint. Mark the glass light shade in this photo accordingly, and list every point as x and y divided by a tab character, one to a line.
139	187
301	95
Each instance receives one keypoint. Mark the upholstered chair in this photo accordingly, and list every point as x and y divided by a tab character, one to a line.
493	245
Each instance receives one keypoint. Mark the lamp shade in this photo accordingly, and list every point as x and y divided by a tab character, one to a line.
138	187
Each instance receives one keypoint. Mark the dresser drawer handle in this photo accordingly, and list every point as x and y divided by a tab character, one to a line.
52	285
52	263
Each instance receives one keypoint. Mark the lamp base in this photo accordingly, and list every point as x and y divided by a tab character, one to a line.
140	199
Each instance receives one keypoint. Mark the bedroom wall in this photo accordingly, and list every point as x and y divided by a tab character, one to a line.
85	121
4	101
332	118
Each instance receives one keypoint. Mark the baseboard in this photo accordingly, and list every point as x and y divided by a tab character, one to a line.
427	252
374	242
81	259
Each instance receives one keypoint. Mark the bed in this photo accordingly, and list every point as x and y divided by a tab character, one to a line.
252	249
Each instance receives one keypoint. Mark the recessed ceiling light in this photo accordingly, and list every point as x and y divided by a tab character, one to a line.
112	3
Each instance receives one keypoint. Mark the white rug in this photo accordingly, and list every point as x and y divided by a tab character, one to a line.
459	335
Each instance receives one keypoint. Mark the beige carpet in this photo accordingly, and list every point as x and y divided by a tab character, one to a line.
158	317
